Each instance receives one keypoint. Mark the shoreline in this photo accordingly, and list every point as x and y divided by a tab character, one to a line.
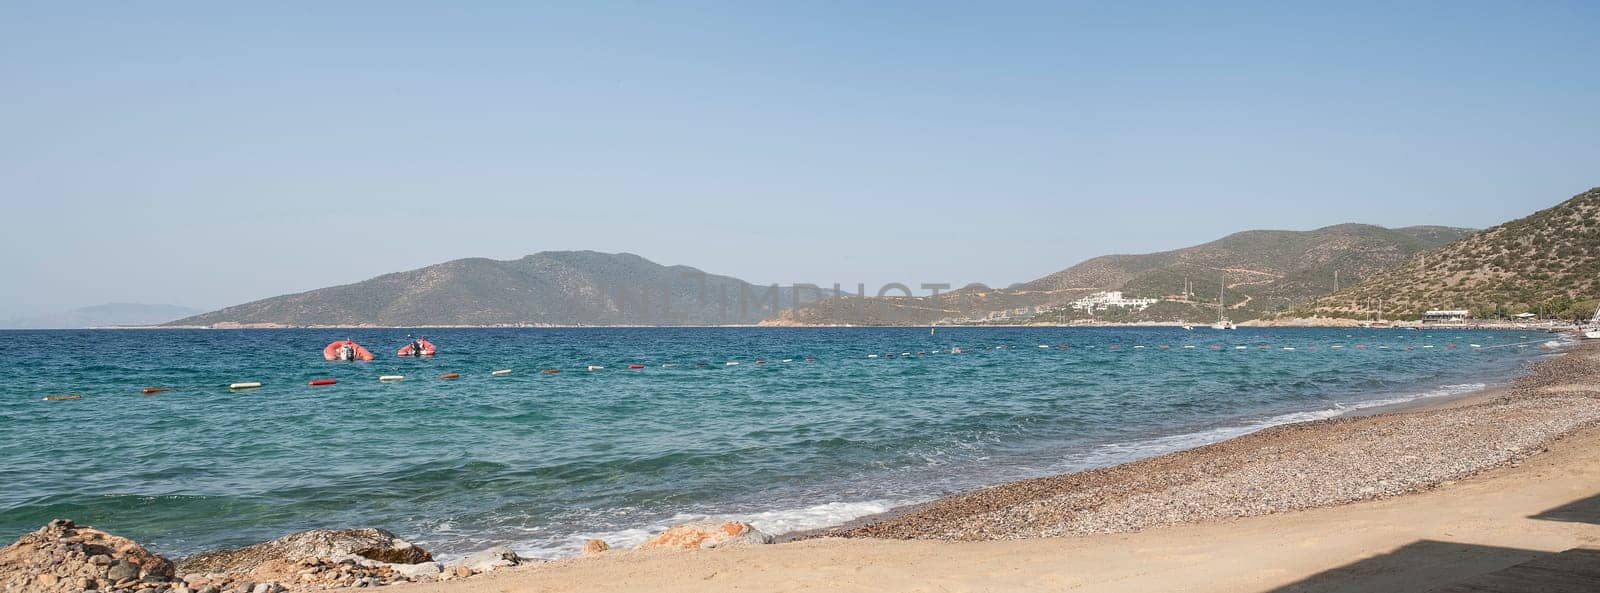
1417	403
1559	398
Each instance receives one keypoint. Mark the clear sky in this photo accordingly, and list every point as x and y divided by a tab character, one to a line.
209	153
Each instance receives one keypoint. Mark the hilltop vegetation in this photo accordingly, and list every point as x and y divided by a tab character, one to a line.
1547	262
1265	271
553	287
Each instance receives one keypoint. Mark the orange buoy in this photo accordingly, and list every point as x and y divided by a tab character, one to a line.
316	382
450	376
552	371
635	366
149	390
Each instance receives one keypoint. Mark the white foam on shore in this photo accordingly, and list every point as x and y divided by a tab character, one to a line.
775	522
779	522
1115	453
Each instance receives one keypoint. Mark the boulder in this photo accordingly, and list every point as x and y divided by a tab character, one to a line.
595	546
373	544
706	535
63	556
490	559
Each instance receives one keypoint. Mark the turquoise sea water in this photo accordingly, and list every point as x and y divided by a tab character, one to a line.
542	461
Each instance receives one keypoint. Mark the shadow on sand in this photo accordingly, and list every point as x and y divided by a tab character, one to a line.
1424	565
1586	510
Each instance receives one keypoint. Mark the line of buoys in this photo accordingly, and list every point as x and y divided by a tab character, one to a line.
392	378
317	382
450	376
248	385
500	372
58	398
150	390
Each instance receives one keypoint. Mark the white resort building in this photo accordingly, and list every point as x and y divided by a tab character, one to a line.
1446	316
1113	298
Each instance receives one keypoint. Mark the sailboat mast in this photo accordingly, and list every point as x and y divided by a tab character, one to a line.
1222	304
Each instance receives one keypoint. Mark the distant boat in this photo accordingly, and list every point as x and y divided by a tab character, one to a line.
1188	327
1594	325
1222	308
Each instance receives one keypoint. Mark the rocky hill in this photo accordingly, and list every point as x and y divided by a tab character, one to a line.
1546	262
553	287
1265	271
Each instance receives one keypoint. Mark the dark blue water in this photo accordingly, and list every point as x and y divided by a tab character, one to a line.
541	461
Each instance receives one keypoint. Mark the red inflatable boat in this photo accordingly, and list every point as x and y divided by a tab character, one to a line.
338	351
411	349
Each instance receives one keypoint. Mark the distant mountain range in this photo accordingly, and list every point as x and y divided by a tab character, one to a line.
1546	262
1549	261
107	315
1265	271
547	288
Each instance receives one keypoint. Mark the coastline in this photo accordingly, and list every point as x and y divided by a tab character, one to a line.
1407	459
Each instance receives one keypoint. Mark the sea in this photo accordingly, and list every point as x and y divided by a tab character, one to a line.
787	428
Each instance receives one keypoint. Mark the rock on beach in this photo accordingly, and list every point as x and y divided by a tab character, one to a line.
707	535
369	543
63	556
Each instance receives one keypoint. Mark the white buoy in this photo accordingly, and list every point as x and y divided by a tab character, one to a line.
500	372
251	385
392	378
1288	347
595	367
787	360
732	363
1241	347
872	356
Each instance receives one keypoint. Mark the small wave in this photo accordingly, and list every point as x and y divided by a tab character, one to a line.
776	522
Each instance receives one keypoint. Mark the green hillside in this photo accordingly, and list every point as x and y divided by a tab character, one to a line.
1265	272
1548	262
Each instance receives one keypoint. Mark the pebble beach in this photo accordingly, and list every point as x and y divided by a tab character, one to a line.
1279	469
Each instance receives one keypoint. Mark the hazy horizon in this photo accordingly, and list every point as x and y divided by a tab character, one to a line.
205	155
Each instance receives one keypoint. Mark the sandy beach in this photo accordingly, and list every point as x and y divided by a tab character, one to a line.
1402	501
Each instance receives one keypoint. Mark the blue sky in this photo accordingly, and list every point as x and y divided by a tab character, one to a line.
208	153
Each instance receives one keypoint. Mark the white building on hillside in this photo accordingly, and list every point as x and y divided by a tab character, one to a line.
1112	298
1446	316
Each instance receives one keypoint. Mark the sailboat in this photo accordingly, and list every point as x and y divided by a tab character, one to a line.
1594	326
1222	308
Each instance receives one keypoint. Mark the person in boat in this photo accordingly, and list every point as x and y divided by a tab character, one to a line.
416	346
346	351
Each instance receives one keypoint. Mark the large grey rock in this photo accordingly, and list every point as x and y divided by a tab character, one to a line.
490	559
374	544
